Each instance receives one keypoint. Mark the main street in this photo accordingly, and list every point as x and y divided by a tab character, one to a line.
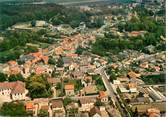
110	89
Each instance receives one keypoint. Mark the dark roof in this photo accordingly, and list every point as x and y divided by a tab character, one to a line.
67	60
57	103
94	111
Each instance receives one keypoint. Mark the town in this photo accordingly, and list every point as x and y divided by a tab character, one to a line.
99	60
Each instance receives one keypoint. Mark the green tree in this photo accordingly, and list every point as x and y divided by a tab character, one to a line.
38	86
17	77
13	109
51	61
3	77
98	103
33	23
59	85
79	50
60	62
67	101
43	113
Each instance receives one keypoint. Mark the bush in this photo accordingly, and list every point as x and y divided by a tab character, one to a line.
13	109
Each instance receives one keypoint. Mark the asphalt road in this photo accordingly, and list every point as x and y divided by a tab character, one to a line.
110	90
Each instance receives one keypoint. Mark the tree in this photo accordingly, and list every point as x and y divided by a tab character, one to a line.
43	113
17	77
79	50
135	113
33	23
13	109
60	62
38	86
51	61
98	103
3	77
59	85
67	101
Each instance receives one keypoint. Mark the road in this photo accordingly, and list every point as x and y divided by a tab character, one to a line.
76	97
110	89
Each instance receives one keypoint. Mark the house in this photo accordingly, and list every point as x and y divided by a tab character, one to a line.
67	61
69	89
91	89
73	66
41	104
53	81
59	50
86	81
30	108
4	68
144	65
84	114
123	79
87	103
41	101
14	67
40	23
132	74
95	112
154	112
103	111
103	96
26	69
14	90
116	82
72	105
43	69
123	89
57	108
78	74
132	87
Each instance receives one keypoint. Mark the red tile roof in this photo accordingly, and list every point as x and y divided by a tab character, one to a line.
16	87
36	54
102	94
39	70
12	62
69	87
29	106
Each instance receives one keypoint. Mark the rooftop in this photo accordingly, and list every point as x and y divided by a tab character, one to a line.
69	87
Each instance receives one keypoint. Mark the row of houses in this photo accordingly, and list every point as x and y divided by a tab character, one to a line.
56	108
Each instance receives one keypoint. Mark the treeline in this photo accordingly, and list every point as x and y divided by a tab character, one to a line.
105	46
14	43
155	29
11	14
154	79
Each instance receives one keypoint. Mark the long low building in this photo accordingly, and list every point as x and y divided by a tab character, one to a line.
142	108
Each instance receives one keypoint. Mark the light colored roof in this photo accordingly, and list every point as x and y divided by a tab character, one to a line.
92	89
133	75
132	85
53	80
87	100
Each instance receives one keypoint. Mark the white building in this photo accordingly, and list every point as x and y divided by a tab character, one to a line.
13	90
